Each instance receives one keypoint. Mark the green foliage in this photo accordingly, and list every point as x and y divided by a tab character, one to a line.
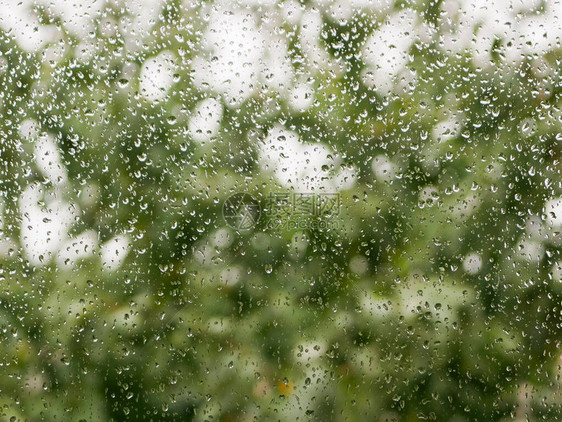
434	293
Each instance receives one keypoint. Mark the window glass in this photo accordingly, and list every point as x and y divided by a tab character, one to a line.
280	210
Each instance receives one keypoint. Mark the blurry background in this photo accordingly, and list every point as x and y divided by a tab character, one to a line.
433	293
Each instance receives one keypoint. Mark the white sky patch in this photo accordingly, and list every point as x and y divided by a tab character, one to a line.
291	11
157	76
82	246
529	250
48	159
256	2
378	6
428	197
231	276
466	207
311	25
386	50
44	227
19	20
204	254
415	295
28	129
345	178
138	24
359	264
219	325
293	163
205	121
310	351
235	47
534	227
375	307
5	243
477	24
557	272
344	9
77	16
446	130
278	71
383	168
299	165
114	251
222	238
472	263
553	211
85	51
301	97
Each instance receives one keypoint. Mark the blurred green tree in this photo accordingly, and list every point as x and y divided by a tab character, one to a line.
430	291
